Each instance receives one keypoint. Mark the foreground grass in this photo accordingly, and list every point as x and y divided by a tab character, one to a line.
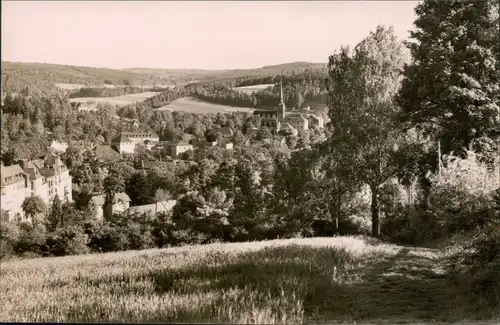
283	281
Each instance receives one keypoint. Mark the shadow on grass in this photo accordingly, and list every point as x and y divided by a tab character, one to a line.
331	284
404	287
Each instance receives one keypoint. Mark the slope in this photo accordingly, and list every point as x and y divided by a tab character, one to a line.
340	279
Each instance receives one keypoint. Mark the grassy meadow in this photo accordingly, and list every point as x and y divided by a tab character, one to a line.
192	105
342	279
252	89
117	100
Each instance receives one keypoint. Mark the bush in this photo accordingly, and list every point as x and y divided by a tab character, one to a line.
109	238
9	235
454	209
67	241
478	265
32	239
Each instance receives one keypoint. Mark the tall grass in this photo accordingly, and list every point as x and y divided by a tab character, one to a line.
261	282
271	282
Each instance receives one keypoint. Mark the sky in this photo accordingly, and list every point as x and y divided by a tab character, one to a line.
191	35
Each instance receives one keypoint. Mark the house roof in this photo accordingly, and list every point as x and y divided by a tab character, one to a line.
315	117
100	199
13	171
120	197
295	117
162	206
182	143
106	152
140	134
224	131
121	138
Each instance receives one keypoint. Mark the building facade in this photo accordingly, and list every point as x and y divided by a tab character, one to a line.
126	142
45	177
179	148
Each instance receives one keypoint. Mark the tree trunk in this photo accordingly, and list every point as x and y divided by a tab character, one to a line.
375	213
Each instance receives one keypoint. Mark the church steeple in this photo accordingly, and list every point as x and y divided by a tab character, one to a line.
282	109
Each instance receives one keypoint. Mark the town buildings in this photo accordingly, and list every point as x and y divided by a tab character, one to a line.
119	203
281	120
178	148
46	177
126	142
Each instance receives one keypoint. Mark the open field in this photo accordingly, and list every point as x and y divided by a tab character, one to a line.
192	105
117	100
66	86
252	89
342	279
78	86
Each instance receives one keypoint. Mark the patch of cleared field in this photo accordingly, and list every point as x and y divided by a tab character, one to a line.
253	88
117	100
193	105
69	86
341	279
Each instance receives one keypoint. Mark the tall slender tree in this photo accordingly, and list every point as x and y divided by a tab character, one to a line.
362	86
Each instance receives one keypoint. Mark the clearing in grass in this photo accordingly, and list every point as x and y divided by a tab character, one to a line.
253	88
192	105
117	100
342	279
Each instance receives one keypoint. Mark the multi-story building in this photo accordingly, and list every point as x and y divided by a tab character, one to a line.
126	142
178	148
15	189
298	121
123	144
45	177
316	121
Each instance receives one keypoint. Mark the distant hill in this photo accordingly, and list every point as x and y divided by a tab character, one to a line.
190	75
44	76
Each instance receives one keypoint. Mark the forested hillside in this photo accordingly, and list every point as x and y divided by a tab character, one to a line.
43	77
17	76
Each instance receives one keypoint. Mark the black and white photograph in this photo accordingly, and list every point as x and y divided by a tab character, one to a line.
250	162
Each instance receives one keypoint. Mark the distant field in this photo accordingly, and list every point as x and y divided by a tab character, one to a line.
291	281
192	105
78	86
118	100
252	89
69	86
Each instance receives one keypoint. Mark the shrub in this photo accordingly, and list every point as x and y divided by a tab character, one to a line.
478	265
109	238
9	235
32	239
67	241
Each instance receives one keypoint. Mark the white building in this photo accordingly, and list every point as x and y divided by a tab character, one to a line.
126	142
15	189
179	148
45	177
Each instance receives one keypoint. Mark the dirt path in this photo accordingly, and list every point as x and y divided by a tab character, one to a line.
410	287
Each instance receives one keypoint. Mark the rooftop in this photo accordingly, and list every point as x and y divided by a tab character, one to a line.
11	174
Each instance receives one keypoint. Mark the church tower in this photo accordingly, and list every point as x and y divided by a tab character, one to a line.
281	109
